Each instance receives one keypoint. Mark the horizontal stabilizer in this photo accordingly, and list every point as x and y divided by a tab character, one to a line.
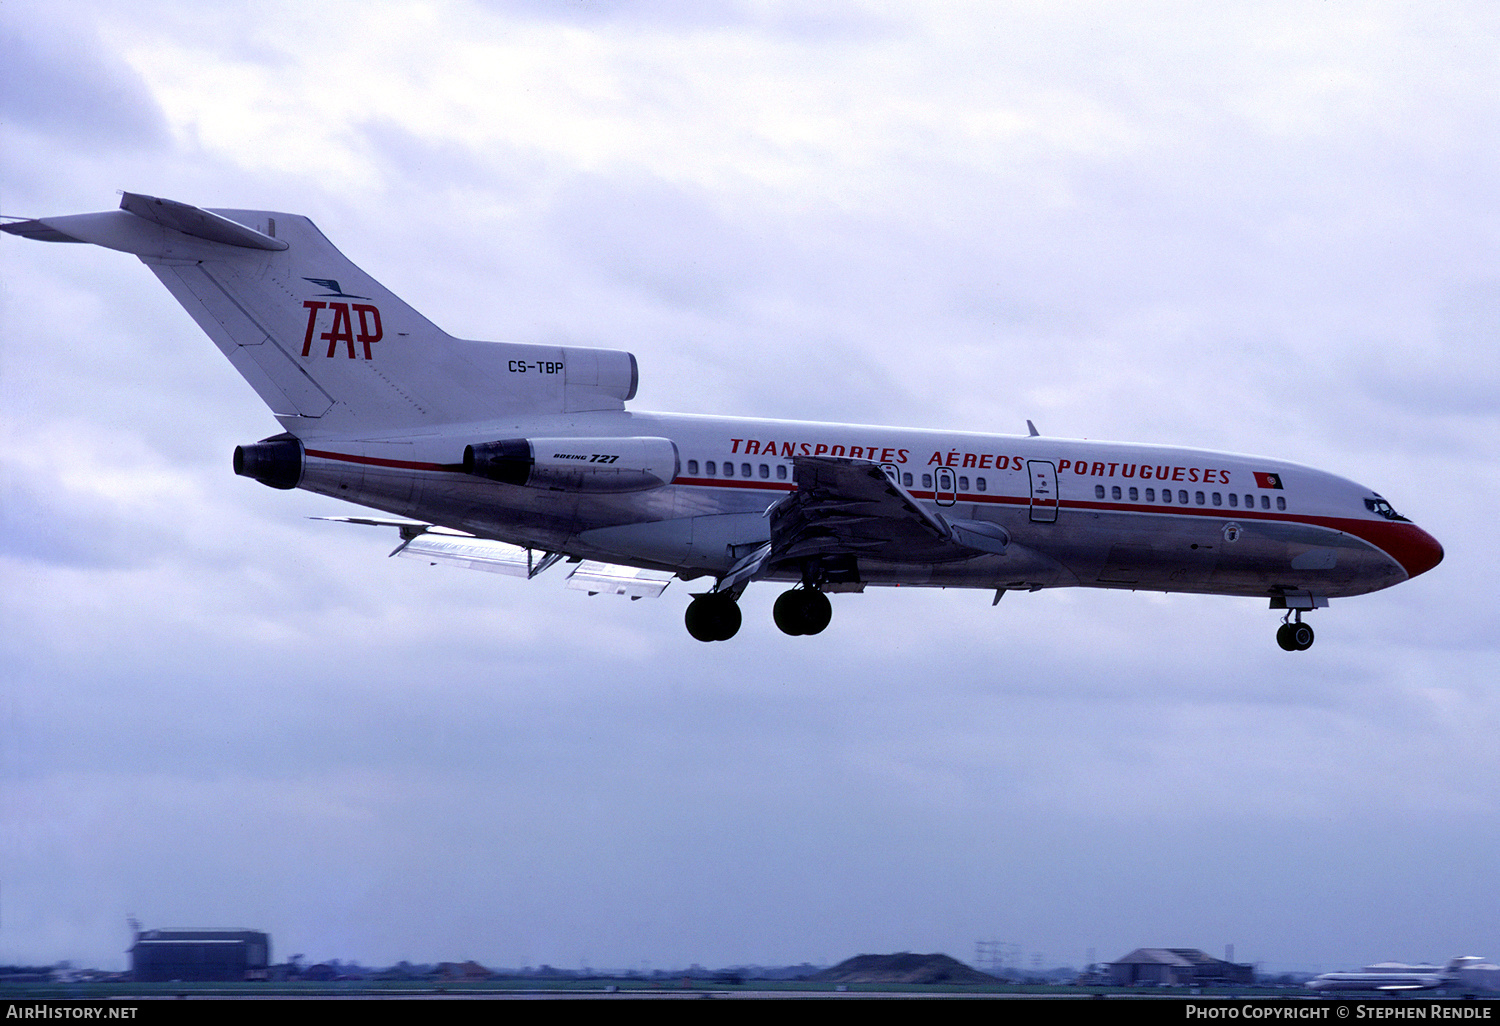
200	224
38	231
137	228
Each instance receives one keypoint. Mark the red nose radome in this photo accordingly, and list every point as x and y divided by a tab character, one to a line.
1415	549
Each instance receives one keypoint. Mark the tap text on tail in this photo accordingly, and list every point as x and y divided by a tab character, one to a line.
511	458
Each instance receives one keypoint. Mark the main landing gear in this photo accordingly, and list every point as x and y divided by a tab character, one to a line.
802	611
715	616
1294	635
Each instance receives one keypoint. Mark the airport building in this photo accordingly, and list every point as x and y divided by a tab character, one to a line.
1177	967
160	956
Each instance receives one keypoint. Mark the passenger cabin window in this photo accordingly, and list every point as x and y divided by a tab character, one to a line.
1280	502
712	468
926	480
1098	491
978	481
1114	492
693	467
744	470
963	484
1135	494
1150	494
1198	497
1166	495
729	470
781	471
1182	496
1234	500
1218	499
1265	502
765	470
906	479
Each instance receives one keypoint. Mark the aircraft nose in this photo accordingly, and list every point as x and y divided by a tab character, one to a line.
1417	551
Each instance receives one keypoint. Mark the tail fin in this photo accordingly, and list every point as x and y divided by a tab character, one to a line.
326	346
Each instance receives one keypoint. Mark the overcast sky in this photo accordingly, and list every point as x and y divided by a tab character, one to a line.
1266	227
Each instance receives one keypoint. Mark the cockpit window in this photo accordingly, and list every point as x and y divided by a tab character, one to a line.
1380	506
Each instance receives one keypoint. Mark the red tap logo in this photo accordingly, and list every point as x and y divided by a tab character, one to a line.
342	327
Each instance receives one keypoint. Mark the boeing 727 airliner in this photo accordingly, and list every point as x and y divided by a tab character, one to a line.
510	457
1395	980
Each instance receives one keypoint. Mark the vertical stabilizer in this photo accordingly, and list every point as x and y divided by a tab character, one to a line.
327	347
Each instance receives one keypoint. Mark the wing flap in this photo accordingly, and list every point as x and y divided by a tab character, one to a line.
471	554
610	578
455	548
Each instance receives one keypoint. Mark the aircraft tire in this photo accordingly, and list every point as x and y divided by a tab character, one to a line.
1283	637
787	612
728	619
802	611
699	627
1302	636
817	611
712	618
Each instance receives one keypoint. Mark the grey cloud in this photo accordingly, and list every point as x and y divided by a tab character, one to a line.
66	84
828	23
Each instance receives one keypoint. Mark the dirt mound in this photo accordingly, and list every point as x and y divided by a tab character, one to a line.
904	967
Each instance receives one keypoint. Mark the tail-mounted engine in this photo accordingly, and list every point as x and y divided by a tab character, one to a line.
273	461
576	464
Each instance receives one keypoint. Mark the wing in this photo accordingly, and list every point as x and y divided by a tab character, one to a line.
844	510
844	507
455	548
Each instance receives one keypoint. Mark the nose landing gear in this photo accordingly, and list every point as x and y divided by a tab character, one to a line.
1294	635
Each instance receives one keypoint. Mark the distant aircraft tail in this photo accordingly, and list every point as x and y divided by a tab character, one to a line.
326	346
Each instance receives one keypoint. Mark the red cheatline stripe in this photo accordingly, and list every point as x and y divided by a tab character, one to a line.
374	461
731	482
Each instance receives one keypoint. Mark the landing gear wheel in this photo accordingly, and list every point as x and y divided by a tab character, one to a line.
787	612
817	611
1295	637
1283	637
802	611
712	617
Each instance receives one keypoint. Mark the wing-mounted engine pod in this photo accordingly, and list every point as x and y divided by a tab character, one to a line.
576	464
275	461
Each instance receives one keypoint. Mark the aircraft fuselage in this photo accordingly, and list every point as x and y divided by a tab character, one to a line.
1078	513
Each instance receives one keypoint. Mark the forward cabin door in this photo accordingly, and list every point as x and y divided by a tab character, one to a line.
945	487
1043	491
